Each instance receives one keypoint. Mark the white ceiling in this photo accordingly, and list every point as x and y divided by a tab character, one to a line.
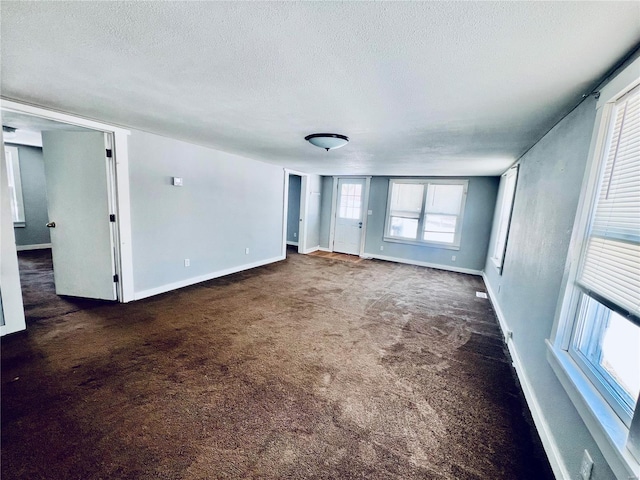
434	88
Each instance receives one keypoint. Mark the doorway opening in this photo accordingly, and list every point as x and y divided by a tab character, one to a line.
294	218
63	197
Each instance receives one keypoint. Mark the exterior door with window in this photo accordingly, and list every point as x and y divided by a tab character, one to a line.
349	216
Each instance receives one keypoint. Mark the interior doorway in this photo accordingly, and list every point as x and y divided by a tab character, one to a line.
65	219
294	218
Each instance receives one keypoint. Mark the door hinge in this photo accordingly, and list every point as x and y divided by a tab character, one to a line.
116	279
112	217
109	153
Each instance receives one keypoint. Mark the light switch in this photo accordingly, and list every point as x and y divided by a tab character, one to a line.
177	181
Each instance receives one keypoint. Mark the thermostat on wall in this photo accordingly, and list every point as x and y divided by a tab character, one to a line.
177	181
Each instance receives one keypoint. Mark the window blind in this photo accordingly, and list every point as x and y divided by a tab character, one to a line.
611	261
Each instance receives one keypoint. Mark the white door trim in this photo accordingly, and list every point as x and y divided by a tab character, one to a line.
334	209
124	264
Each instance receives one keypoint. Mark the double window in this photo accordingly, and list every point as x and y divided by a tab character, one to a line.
425	211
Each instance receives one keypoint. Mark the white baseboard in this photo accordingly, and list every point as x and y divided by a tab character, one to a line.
37	246
546	436
311	250
323	249
422	264
202	278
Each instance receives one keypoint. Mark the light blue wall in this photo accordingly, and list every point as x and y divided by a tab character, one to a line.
476	228
293	210
34	194
325	211
228	203
546	200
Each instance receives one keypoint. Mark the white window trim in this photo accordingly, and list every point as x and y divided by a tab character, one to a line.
14	162
506	204
426	182
619	445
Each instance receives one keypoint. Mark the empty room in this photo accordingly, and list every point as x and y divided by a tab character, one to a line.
320	240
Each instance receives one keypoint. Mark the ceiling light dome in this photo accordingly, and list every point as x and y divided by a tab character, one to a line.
328	141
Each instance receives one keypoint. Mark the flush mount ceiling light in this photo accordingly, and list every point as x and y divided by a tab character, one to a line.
328	141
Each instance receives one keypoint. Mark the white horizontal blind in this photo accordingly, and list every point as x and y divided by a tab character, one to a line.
611	263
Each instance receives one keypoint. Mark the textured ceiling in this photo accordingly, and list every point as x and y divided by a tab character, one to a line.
434	88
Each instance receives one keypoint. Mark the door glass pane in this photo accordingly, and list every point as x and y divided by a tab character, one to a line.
350	201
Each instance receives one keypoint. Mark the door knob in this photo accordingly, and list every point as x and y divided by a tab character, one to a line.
51	224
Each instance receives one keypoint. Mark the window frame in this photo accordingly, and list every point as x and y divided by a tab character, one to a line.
455	245
618	441
12	156
505	216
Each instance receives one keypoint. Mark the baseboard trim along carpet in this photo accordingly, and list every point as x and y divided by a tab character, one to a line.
548	440
35	246
203	278
448	268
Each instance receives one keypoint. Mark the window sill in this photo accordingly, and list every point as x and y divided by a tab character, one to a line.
608	431
19	224
444	246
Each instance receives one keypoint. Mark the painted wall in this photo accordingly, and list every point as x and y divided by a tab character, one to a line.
228	203
546	200
34	194
314	205
476	228
325	211
293	210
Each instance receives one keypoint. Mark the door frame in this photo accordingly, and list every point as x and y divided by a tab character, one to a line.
120	188
334	208
304	206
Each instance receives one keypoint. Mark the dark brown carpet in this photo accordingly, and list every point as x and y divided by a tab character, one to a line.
307	368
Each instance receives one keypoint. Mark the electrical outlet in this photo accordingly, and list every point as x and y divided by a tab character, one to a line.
246	251
586	467
295	235
453	258
381	247
369	212
187	262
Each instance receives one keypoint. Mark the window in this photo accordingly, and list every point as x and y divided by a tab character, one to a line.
509	180
608	281
425	211
596	350
15	186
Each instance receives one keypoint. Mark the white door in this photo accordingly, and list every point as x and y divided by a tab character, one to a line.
76	167
349	211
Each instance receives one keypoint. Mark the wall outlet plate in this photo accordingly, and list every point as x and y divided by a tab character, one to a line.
177	181
586	467
187	262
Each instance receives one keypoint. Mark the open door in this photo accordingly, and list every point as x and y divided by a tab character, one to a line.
77	172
